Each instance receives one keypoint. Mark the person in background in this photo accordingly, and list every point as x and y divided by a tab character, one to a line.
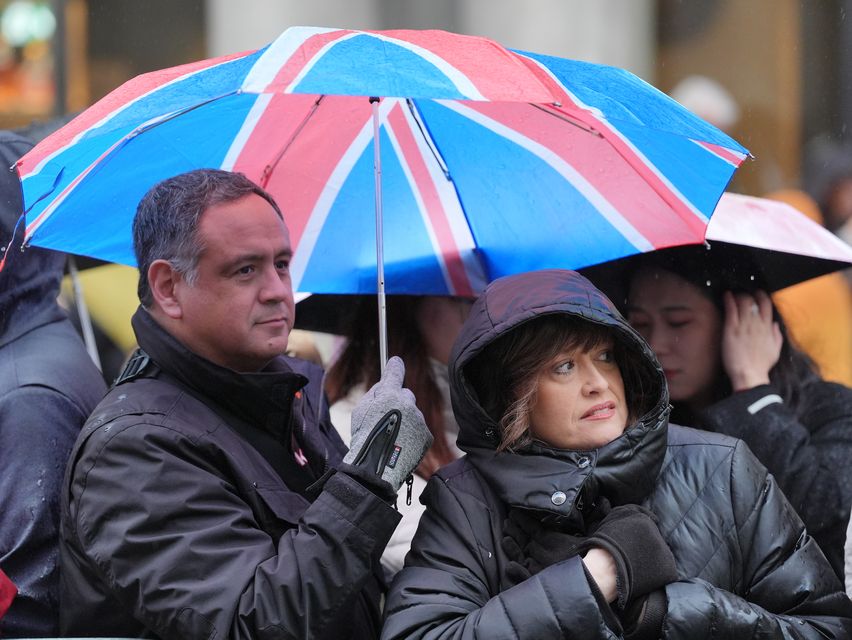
731	368
579	512
828	179
818	312
208	495
421	330
48	387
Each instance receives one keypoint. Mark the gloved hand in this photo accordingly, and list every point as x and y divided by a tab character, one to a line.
530	546
643	618
643	559
389	434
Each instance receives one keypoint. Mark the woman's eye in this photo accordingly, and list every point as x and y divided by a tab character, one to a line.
565	367
606	356
677	324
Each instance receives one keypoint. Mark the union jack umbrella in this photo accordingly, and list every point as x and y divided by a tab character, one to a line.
492	161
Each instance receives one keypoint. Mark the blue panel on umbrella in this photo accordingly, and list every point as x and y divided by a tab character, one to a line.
169	149
207	84
505	188
700	176
622	96
410	263
368	66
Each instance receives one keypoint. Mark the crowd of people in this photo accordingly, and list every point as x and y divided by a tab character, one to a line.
539	462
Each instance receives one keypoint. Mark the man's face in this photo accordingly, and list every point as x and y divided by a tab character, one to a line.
240	310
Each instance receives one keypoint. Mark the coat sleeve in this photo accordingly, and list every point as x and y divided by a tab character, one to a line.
178	545
809	462
38	426
448	589
787	588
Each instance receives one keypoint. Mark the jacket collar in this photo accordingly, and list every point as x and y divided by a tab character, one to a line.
263	399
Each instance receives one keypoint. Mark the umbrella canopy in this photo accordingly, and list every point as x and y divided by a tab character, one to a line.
750	243
492	161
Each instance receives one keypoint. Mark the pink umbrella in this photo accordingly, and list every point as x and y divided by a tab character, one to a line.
750	243
784	244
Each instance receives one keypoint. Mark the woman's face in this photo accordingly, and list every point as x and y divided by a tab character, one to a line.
580	402
683	327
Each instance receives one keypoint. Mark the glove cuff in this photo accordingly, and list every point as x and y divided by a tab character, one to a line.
369	481
652	613
622	576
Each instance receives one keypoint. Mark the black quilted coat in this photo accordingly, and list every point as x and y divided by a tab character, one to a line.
747	568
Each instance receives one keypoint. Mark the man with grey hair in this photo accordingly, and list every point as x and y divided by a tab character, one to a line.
208	494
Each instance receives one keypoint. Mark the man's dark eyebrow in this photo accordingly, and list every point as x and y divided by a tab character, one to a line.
240	259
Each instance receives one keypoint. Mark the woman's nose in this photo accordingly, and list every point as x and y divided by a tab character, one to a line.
657	340
595	381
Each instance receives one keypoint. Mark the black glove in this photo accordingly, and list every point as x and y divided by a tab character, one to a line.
389	435
643	619
530	546
643	560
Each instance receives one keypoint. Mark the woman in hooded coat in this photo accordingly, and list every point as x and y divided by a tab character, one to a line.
732	367
579	512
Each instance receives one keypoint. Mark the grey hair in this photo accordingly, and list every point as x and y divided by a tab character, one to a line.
166	223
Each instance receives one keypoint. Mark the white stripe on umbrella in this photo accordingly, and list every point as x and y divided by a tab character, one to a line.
439	249
254	115
321	209
460	81
733	158
579	182
268	66
449	204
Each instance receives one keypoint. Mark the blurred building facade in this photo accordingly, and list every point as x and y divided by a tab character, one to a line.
785	63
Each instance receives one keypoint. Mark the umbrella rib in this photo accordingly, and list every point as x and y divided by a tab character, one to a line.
428	139
269	168
175	114
566	118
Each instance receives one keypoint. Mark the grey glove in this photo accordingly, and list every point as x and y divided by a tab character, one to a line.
389	434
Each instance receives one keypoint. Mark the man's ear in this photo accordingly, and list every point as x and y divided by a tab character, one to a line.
163	281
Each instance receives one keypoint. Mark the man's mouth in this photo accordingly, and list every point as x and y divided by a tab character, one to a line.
274	321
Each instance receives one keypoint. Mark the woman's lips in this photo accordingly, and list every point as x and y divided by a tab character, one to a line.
601	411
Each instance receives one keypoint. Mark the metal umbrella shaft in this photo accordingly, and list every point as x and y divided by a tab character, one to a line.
380	258
83	312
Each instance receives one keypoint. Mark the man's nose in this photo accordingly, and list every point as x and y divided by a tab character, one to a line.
275	287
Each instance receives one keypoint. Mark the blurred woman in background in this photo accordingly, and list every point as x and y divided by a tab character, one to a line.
731	368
